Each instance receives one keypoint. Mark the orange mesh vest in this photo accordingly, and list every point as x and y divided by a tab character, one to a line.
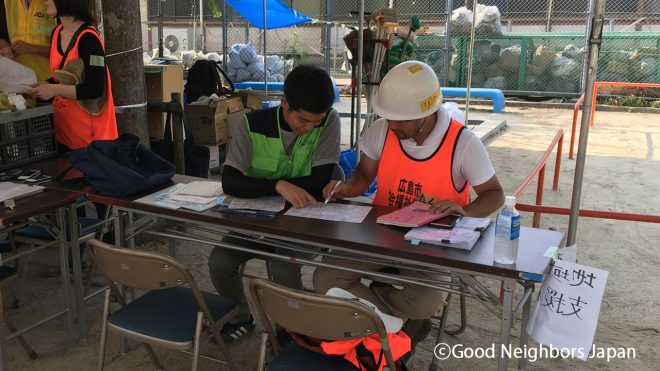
75	127
403	179
399	346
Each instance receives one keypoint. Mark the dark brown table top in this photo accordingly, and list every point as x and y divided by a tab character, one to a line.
367	237
35	204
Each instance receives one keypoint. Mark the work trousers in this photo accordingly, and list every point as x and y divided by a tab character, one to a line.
409	302
224	268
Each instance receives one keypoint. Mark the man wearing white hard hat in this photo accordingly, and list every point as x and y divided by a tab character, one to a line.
417	151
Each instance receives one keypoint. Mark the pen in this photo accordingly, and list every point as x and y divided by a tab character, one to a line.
332	192
246	211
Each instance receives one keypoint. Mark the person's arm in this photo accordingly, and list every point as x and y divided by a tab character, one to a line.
46	91
5	49
235	183
315	182
92	54
371	143
20	47
298	191
357	183
490	197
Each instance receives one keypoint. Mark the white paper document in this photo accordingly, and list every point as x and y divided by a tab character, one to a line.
568	253
14	77
167	198
566	314
16	190
269	203
333	211
473	223
201	188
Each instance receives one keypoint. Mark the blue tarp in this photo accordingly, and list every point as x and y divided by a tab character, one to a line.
278	14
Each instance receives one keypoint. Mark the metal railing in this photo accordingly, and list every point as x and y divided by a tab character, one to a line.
539	170
580	101
538	208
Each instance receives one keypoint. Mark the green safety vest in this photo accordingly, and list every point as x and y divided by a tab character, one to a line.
269	159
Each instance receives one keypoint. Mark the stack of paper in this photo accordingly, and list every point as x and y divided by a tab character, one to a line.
273	204
10	190
464	235
197	196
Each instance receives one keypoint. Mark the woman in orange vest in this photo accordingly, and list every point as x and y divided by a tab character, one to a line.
82	94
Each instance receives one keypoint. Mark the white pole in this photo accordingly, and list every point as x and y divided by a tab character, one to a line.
265	64
470	56
359	82
596	33
201	26
194	22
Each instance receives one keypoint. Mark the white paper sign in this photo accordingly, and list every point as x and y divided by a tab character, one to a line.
568	306
568	253
15	77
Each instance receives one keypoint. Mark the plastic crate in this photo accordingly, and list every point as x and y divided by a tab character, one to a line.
26	136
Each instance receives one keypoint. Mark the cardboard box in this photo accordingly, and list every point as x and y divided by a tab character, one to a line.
161	81
217	155
251	100
233	104
209	125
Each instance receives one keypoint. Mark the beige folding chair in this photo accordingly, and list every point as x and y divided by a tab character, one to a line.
314	315
170	314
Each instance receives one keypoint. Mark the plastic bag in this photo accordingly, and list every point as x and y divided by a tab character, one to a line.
248	54
235	60
242	75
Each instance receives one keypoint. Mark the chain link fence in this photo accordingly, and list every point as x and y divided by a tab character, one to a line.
521	47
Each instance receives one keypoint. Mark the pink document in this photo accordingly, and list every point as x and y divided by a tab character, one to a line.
413	215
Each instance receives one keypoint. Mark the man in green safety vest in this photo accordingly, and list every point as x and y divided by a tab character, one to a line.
290	150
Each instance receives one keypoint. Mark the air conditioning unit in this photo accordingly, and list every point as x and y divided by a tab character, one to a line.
174	39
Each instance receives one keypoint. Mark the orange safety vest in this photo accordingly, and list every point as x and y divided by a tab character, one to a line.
74	126
403	179
399	346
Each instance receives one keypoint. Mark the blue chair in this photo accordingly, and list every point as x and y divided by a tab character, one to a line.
170	314
313	315
347	163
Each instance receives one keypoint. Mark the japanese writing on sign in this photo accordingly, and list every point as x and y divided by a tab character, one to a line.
406	193
566	314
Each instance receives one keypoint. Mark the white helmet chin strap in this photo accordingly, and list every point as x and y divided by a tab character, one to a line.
421	127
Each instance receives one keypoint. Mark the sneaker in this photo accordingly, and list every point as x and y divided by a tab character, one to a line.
232	331
284	339
417	330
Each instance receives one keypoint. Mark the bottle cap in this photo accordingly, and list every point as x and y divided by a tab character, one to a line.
510	201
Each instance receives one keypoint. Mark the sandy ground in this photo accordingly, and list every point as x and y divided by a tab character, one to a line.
623	174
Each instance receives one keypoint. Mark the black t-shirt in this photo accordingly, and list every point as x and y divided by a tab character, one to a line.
89	48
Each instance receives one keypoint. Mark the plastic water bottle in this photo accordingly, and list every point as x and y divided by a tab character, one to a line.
507	233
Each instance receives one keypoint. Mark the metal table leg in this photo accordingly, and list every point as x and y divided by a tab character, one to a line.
506	321
77	270
60	216
527	309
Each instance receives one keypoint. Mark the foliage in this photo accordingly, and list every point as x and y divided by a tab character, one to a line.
214	8
291	49
631	101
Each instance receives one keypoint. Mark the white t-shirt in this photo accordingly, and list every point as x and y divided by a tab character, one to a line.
471	160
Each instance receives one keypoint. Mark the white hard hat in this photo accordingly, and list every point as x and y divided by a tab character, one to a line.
410	91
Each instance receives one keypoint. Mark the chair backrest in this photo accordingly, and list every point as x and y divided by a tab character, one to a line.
310	314
140	269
